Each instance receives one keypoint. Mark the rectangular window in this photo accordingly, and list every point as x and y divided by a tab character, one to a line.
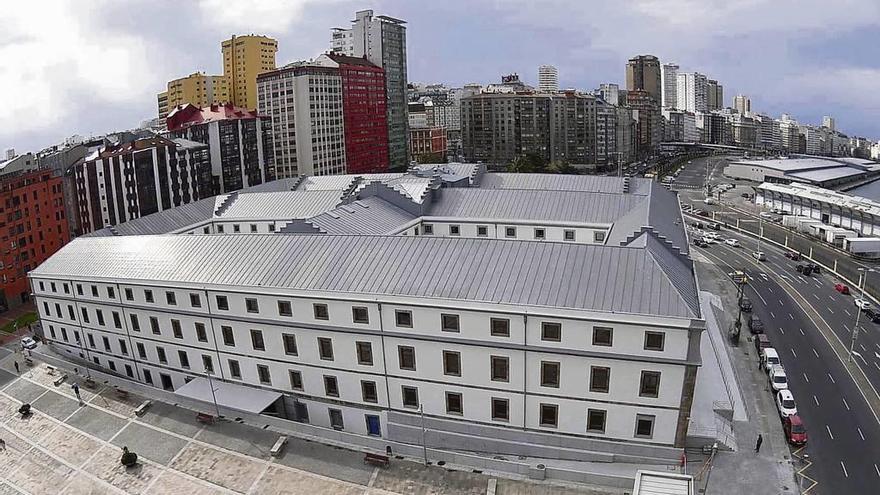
64	334
540	234
160	352
117	321
228	336
336	419
649	385
482	231
94	290
112	365
176	330
360	314
90	337
148	377
644	426
123	348
325	348
551	332
454	403
251	305
500	409
454	230
154	325
52	284
289	344
500	368
236	228
549	415
595	421
111	293
331	387
222	303
428	229
129	295
142	351
171	298
406	357
284	308
100	315
603	336
321	311
449	323
234	369
253	227
296	380
410	397
654	341
568	235
257	340
184	359
195	301
403	318
369	391
71	312
599	236
451	363
201	334
208	363
500	327
148	295
364	353
600	379
263	373
106	343
85	313
510	232
549	374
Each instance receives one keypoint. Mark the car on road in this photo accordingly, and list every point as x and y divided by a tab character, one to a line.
745	195
739	277
769	359
793	255
756	325
778	378
703	213
712	235
731	242
745	304
714	225
785	403
697	225
28	343
709	240
862	303
699	242
759	255
815	268
766	215
795	431
762	341
842	288
872	315
804	270
709	201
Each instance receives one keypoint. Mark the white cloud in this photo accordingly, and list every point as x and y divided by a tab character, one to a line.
53	53
262	15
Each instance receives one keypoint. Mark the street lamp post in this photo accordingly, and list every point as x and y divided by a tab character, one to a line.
863	281
424	444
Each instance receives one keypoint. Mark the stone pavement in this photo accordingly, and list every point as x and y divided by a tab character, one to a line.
67	448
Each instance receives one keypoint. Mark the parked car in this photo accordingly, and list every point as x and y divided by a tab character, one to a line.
709	201
794	256
745	304
769	359
785	403
755	325
759	255
872	315
795	431
698	225
746	195
28	343
699	242
703	213
762	341
766	215
778	378
842	288
731	242
862	303
714	226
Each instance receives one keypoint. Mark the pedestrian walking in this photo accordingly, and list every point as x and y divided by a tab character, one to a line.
758	443
15	363
2	445
75	388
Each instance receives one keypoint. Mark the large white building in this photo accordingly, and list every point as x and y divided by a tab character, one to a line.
524	314
548	79
669	77
691	92
743	105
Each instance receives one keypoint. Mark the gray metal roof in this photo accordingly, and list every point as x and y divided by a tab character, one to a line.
555	182
281	205
524	204
341	182
371	215
164	221
558	275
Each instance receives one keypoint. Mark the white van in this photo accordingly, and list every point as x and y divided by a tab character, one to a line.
769	358
778	379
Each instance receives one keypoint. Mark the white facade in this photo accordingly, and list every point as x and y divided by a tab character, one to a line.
669	76
691	92
829	123
342	41
548	79
742	104
610	93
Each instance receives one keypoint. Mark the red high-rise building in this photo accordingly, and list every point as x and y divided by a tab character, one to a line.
32	227
364	114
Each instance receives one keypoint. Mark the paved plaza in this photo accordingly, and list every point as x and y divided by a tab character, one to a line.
67	448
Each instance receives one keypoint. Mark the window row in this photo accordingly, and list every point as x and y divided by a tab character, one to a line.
539	233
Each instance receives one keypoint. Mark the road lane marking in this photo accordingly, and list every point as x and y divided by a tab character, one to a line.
862	345
860	433
790	317
816	399
817	297
781	330
845	404
780	303
876	365
808	381
829	432
831	378
761	297
831	297
793	354
831	310
815	353
772	315
802	331
847	312
877	469
844	469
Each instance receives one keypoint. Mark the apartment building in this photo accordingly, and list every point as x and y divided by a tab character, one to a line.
236	140
196	89
428	144
692	92
714	95
407	297
649	123
244	58
669	76
548	79
140	175
643	73
304	104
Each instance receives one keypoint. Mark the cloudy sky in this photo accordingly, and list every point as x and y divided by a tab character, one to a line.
93	66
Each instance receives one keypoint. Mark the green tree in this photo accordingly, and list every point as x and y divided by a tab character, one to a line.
529	163
560	167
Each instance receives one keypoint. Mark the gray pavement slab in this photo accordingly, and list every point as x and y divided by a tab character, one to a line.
172	418
6	377
412	478
326	460
8	490
152	444
516	487
240	438
96	422
56	405
24	390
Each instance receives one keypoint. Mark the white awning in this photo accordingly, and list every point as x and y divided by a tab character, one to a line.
239	397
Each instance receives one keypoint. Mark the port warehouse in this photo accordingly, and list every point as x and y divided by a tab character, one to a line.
849	222
813	170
